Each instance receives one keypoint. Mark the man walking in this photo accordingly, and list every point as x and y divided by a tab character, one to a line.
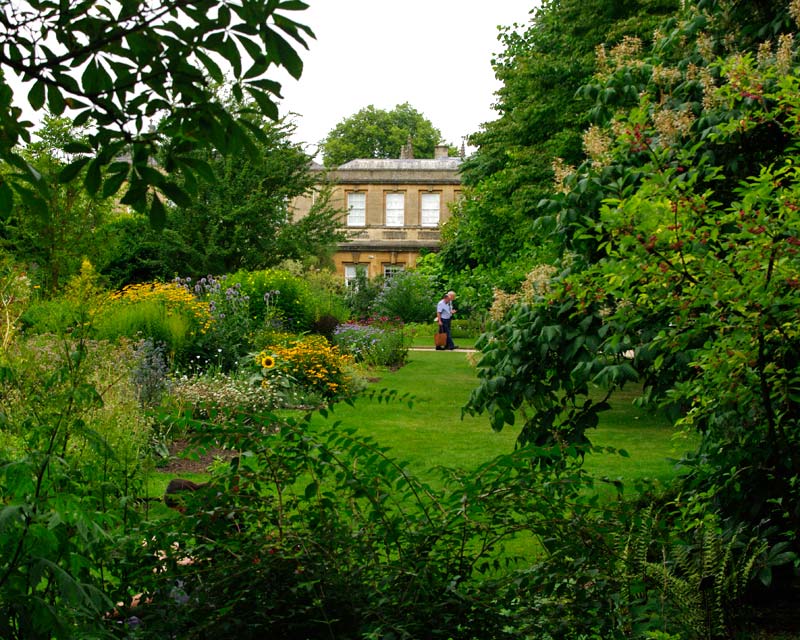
444	316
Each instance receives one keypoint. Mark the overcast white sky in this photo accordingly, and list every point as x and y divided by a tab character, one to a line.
434	54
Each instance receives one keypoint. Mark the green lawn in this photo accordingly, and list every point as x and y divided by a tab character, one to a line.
433	432
422	336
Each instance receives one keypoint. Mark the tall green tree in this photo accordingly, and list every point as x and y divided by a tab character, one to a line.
681	232
137	252
376	133
52	240
139	62
540	118
239	220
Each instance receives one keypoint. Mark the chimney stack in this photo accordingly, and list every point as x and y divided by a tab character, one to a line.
440	152
407	150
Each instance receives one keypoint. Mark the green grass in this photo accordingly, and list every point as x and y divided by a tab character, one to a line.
432	432
651	440
422	336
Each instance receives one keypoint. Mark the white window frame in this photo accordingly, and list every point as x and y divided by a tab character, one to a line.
395	209
351	273
430	215
389	270
356	209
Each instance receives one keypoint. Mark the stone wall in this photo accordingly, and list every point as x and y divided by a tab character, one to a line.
376	244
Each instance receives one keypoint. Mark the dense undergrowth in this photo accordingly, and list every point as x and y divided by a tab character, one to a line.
313	529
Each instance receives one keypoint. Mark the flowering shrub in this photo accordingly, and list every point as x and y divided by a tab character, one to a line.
225	391
376	343
164	312
174	298
536	284
227	337
277	297
311	363
357	339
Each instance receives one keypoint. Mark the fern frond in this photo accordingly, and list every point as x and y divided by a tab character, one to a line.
681	592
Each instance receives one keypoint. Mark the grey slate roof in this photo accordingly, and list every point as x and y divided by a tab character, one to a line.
394	164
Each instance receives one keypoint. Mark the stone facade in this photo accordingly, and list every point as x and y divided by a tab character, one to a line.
392	209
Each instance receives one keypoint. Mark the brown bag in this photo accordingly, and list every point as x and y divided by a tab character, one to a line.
440	339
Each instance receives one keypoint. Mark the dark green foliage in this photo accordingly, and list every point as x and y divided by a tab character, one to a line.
241	219
138	63
561	341
317	531
55	237
408	295
277	297
64	506
703	577
680	233
138	253
325	325
375	133
295	540
361	295
541	118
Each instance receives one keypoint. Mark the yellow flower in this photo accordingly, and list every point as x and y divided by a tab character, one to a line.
267	362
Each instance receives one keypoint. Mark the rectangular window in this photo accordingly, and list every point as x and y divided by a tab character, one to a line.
390	270
429	204
395	209
356	209
351	273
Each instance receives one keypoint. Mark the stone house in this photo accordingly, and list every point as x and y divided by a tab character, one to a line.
392	209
